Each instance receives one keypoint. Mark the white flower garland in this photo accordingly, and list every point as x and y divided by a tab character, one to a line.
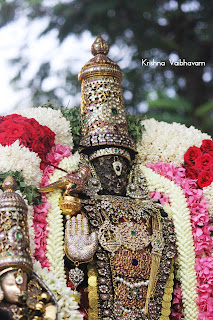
54	120
166	142
19	158
55	237
67	300
55	247
181	216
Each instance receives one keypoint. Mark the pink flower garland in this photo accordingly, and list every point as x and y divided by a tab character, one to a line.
57	153
201	228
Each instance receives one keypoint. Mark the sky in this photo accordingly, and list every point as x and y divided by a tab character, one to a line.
37	50
74	52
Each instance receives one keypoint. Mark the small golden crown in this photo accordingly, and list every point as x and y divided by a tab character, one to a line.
14	237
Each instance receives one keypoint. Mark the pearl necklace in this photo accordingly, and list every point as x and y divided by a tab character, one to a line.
132	285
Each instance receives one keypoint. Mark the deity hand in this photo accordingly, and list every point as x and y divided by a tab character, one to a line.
72	182
80	246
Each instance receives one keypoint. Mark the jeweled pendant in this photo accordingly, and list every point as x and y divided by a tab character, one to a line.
76	276
109	237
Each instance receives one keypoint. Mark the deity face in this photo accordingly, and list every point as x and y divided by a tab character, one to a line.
111	182
12	290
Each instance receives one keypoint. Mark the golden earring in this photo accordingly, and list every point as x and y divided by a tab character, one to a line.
1	294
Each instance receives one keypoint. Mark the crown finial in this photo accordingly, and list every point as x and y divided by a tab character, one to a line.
99	46
9	184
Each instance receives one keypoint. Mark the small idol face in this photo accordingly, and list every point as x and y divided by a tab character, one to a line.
112	172
12	290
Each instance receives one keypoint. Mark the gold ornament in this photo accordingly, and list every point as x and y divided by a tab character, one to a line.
137	186
110	151
72	182
69	205
109	237
103	118
14	237
80	246
134	236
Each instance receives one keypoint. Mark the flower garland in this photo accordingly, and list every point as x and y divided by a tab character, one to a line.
164	142
55	240
55	244
54	120
67	300
28	132
199	163
207	193
185	245
19	158
57	153
201	228
26	155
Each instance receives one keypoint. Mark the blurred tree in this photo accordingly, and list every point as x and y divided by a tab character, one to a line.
148	29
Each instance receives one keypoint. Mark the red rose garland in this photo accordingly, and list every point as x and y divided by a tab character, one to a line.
37	138
199	163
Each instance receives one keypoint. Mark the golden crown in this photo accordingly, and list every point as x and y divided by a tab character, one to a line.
103	117
14	237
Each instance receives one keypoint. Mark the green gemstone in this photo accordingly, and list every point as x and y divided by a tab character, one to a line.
133	233
8	254
116	150
114	111
74	186
18	235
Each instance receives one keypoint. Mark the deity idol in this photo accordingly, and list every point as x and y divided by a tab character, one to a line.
23	295
120	243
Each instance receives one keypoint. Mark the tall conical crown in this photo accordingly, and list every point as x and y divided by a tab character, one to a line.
103	118
14	250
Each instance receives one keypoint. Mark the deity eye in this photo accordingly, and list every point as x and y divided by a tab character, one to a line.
117	166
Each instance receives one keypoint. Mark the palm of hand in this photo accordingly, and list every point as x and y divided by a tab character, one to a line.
80	245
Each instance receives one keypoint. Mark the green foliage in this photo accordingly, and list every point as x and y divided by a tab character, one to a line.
74	117
134	126
31	192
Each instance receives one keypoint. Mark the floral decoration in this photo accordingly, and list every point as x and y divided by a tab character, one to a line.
180	214
18	158
199	163
54	120
28	149
57	153
167	142
29	132
66	298
201	228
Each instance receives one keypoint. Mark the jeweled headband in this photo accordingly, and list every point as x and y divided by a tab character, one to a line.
110	151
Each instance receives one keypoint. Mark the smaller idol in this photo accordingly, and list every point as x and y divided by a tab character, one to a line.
23	295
